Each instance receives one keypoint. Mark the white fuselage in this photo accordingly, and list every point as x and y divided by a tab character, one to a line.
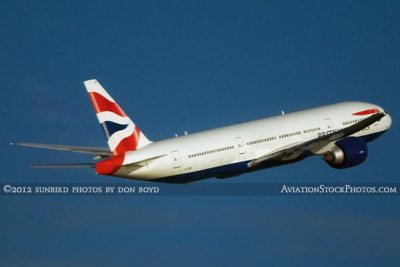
226	150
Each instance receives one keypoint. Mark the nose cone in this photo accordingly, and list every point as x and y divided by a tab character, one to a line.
388	121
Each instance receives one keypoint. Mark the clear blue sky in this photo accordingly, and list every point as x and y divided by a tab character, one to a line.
193	65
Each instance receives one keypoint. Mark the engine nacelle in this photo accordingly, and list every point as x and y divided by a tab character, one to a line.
348	152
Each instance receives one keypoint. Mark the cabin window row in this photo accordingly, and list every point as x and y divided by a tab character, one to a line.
351	122
312	130
211	151
261	140
290	134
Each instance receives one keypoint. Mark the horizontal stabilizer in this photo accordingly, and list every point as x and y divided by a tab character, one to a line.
64	166
100	151
143	162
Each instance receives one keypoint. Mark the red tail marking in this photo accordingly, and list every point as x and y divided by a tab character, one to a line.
102	104
110	166
129	143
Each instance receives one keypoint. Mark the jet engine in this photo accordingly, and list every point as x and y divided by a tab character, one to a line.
347	152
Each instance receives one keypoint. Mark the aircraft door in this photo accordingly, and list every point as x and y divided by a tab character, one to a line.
241	145
176	159
328	124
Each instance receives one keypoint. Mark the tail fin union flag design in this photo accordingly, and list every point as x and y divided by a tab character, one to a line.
121	132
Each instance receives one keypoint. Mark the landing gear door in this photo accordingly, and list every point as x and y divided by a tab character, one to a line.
176	159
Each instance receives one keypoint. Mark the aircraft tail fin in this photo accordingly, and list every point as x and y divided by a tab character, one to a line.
121	132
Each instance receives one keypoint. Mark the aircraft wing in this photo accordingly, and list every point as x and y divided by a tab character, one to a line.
99	151
297	149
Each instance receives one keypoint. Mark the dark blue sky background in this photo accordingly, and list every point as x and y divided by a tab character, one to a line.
193	65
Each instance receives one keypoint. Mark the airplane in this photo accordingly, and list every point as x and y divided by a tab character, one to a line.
338	133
